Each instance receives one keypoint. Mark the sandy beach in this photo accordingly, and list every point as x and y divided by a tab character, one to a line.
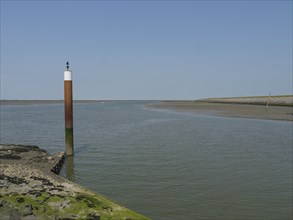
228	110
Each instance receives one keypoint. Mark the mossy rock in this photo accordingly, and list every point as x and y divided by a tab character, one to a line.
79	206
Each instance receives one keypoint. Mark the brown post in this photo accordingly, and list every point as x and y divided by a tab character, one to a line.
68	111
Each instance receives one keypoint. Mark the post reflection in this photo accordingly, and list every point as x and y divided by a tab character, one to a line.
69	168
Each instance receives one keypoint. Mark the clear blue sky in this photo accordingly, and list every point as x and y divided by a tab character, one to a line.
146	49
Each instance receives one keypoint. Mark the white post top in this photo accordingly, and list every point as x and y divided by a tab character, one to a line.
67	75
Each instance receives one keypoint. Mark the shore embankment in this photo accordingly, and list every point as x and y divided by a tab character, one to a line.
30	190
286	100
272	108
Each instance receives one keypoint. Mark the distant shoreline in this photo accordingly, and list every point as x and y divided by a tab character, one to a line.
43	102
49	102
261	107
278	108
284	100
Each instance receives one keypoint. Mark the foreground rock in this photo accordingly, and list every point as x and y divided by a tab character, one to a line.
29	190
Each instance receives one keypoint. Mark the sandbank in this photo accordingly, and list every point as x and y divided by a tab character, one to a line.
228	109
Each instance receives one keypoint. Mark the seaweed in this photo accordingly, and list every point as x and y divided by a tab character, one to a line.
14	180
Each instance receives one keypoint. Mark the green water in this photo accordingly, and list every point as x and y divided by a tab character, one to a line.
167	165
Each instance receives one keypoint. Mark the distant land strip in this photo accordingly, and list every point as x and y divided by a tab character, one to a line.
284	100
43	102
78	101
260	107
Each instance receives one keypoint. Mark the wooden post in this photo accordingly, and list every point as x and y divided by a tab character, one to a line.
68	111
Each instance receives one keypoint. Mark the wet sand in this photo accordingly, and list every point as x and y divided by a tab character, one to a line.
283	100
228	110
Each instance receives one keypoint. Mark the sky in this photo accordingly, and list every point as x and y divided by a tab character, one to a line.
146	50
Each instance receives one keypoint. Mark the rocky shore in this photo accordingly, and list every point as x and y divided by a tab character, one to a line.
30	190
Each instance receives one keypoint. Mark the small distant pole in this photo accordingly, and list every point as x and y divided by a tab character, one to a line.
68	111
268	101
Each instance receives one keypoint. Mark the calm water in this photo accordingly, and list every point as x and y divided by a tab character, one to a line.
168	165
